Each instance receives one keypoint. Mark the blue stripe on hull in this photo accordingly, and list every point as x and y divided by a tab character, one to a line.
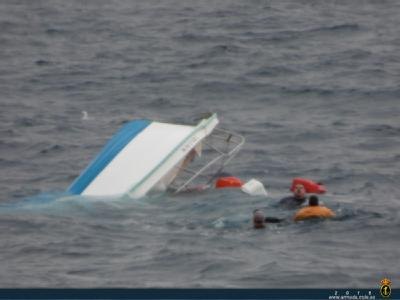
107	154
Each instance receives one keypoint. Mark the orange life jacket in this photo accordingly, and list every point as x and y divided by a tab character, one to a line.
310	186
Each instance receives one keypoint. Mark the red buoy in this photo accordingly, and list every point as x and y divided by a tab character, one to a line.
228	182
310	186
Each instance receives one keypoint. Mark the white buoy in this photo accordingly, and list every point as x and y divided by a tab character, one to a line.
254	187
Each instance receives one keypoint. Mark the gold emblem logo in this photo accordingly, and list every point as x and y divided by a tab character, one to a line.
385	288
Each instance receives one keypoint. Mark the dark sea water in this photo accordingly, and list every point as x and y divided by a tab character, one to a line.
314	86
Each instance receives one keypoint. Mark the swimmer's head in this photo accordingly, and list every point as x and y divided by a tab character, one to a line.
313	201
299	191
258	219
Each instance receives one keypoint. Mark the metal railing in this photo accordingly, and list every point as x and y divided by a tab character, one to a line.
218	149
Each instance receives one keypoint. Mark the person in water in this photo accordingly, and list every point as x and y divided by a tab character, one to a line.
313	210
259	219
298	198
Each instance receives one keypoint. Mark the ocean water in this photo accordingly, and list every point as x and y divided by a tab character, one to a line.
312	85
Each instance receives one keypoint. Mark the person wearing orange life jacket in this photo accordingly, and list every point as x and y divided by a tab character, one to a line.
313	210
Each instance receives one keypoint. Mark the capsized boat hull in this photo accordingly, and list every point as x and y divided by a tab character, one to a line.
141	156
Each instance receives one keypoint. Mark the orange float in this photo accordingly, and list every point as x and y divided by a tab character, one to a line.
311	212
228	182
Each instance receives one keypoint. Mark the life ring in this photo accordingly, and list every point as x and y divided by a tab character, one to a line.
310	186
310	212
228	182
